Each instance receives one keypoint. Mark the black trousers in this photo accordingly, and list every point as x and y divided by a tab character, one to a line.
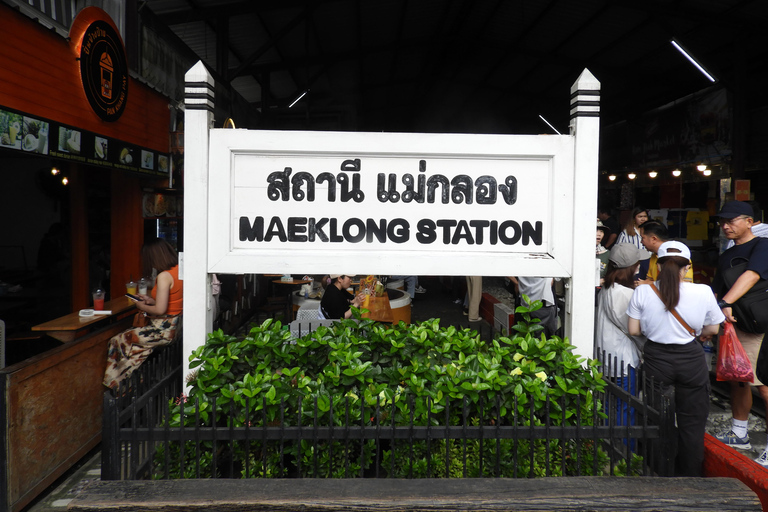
684	368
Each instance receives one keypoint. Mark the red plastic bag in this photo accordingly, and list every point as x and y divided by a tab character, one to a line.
732	361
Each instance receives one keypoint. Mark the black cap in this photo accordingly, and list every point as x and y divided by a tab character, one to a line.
733	209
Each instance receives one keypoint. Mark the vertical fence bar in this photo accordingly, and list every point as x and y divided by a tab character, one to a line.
110	453
429	436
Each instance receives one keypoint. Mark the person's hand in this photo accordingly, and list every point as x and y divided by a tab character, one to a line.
728	312
705	337
359	299
147	299
643	281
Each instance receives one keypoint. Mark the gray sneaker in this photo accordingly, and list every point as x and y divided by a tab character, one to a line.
734	441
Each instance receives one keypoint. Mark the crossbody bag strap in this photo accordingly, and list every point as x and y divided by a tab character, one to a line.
674	312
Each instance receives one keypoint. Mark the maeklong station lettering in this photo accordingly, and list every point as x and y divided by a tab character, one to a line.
355	230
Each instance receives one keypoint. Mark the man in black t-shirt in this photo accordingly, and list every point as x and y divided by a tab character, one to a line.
736	220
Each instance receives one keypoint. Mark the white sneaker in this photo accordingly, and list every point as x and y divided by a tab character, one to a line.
420	289
763	459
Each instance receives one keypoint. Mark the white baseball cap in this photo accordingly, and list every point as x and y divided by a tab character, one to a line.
674	248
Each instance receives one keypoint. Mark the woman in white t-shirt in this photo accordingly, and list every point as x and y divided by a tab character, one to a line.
672	355
611	334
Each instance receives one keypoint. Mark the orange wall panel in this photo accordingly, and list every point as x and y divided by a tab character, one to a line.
40	75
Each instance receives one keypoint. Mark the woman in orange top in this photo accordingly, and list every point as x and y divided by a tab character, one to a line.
129	349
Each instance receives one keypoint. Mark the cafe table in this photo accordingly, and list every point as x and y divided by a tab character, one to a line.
289	302
70	327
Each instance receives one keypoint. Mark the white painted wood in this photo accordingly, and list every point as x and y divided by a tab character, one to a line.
537	163
226	178
198	316
580	296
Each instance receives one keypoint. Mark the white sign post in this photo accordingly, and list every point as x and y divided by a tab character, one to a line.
392	203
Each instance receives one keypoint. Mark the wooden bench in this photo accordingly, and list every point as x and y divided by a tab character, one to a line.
366	495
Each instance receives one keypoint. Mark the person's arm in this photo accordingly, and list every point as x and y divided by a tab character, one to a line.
611	239
708	331
742	285
160	304
356	302
633	325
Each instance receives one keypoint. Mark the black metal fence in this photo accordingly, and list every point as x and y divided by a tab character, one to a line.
634	436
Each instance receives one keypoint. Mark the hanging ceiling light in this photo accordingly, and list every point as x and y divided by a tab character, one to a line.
631	175
676	173
54	171
612	177
707	172
653	174
701	167
65	181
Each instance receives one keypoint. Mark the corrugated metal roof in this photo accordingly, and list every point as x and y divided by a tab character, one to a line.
440	65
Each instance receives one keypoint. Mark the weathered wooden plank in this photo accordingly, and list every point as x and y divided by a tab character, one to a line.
391	495
53	412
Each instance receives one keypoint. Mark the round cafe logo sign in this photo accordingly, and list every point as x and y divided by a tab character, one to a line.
104	70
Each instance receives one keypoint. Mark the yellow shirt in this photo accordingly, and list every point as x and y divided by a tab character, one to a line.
653	271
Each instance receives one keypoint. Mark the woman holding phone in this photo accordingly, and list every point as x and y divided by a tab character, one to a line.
671	313
162	310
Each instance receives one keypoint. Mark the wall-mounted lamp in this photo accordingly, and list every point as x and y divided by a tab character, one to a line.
65	181
631	175
653	174
676	173
612	177
54	171
701	167
707	172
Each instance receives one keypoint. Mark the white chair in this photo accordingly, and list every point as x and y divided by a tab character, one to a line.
308	310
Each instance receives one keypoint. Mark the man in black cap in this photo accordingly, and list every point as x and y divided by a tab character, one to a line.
736	219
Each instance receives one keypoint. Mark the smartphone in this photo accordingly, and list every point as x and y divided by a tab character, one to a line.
133	297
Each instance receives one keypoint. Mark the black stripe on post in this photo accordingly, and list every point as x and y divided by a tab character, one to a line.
199	96
585	103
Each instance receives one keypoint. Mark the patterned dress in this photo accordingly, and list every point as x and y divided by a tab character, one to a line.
129	349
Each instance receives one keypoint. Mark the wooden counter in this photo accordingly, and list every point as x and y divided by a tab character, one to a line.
379	307
72	326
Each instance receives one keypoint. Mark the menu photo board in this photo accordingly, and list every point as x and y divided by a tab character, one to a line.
21	132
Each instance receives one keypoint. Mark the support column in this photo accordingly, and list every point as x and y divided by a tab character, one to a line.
198	120
580	288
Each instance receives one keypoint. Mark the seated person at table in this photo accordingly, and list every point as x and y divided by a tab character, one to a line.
337	300
162	308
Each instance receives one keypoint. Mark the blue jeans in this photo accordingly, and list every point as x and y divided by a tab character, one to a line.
410	284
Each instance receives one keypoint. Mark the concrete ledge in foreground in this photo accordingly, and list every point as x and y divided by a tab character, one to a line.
373	495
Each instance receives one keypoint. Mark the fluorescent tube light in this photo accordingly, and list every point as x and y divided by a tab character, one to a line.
548	124
693	61
298	98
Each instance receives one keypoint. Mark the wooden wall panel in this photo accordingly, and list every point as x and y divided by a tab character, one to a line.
53	408
127	231
41	76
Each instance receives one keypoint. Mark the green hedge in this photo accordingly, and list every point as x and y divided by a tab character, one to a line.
360	369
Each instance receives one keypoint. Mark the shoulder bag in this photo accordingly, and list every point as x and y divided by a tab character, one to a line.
675	313
751	310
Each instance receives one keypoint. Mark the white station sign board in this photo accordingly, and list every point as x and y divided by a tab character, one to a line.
298	203
440	204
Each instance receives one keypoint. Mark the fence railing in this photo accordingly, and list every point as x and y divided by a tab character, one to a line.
634	435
